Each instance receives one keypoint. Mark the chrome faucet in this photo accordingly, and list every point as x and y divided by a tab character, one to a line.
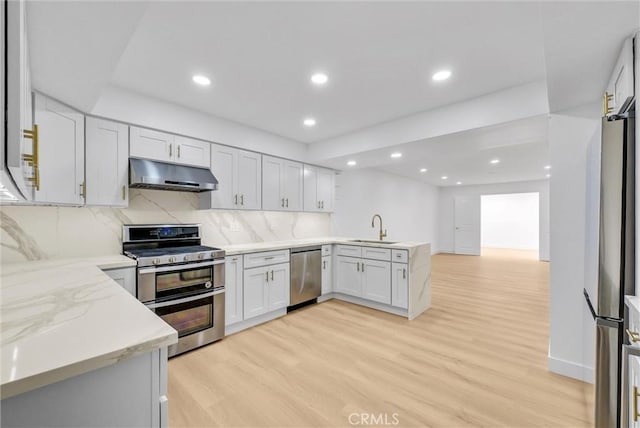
373	221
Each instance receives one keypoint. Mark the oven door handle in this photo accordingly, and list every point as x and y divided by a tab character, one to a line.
177	268
185	300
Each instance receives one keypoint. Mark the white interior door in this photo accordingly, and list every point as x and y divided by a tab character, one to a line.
467	225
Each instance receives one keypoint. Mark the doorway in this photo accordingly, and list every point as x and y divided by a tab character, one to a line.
510	221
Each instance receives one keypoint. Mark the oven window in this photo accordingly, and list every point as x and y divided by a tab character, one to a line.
188	318
169	282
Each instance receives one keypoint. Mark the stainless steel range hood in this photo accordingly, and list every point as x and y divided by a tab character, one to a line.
148	174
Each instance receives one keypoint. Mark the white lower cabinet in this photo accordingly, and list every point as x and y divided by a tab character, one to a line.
633	377
233	290
327	277
126	277
348	278
376	280
399	285
266	288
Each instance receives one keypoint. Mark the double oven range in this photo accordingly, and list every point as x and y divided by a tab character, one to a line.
180	280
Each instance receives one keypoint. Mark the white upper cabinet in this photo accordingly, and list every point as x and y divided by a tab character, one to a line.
21	141
165	147
318	189
107	162
192	152
282	186
620	90
239	174
61	152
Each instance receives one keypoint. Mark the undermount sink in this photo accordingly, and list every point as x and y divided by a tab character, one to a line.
371	241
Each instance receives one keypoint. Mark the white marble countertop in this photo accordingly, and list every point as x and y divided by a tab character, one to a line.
62	318
232	250
633	302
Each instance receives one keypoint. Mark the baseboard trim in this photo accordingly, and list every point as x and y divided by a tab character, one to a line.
571	369
252	322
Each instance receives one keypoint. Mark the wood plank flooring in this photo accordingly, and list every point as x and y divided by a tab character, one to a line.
477	358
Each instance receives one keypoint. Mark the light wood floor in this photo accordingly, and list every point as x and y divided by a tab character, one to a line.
477	358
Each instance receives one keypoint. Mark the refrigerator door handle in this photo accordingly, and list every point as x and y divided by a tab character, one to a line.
586	296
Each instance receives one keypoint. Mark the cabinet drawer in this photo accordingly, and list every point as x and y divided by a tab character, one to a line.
376	253
400	256
266	258
348	250
326	250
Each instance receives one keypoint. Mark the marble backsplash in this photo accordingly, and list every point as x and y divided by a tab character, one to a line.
40	232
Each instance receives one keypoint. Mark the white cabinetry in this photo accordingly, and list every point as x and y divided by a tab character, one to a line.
107	162
620	90
376	281
233	290
318	189
368	278
266	288
61	152
399	285
126	277
165	147
633	382
239	174
19	113
327	276
282	187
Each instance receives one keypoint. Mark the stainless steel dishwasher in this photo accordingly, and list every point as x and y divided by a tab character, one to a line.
306	275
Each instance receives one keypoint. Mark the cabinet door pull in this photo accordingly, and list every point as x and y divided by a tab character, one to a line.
235	199
362	267
324	264
271	275
178	151
605	103
267	272
170	150
34	158
318	205
242	200
635	403
282	204
404	273
287	204
83	190
358	266
124	192
322	204
634	336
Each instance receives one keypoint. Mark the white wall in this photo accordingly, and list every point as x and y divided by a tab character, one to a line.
571	337
446	203
408	207
510	221
131	107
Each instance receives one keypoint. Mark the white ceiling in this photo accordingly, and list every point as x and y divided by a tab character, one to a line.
521	146
379	57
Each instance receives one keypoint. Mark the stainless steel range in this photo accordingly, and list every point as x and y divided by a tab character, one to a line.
180	280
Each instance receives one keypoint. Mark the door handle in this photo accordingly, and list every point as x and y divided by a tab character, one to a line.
358	266
634	336
178	151
404	273
324	264
318	205
282	204
271	275
170	150
362	267
83	190
322	204
241	199
267	272
287	202
635	404
235	199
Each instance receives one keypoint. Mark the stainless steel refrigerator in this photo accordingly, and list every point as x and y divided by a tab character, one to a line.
616	273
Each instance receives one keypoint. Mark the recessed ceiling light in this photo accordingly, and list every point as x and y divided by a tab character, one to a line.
309	121
201	80
396	155
352	163
547	167
444	177
441	75
548	175
458	182
494	161
319	78
423	169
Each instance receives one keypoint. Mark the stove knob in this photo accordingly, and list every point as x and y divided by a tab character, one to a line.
201	256
155	261
186	258
172	259
213	255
